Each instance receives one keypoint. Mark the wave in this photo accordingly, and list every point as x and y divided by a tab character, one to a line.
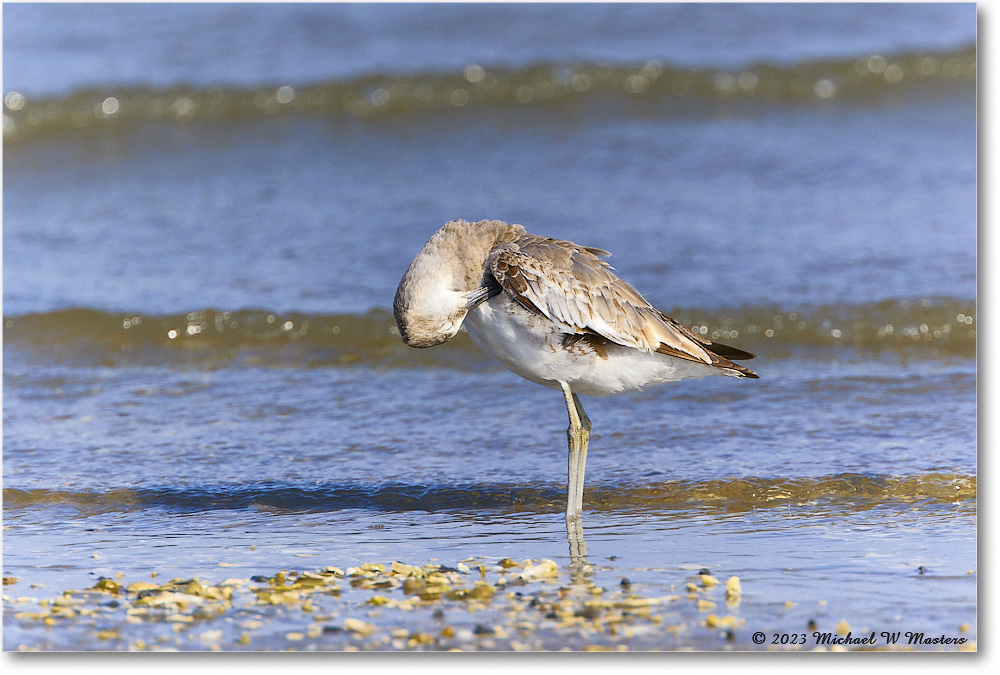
923	328
860	491
866	78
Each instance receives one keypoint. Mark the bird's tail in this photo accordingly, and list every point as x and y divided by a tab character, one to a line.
736	370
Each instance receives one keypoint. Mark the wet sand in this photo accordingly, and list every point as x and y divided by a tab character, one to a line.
476	605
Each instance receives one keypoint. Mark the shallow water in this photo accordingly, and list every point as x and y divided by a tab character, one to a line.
202	377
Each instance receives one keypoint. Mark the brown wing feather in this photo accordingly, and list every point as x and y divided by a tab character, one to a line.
728	352
573	287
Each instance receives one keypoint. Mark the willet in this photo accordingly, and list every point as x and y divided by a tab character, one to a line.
553	312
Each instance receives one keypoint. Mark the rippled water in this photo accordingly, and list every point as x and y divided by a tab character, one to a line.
201	369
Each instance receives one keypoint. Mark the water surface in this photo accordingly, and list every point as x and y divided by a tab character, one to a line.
202	377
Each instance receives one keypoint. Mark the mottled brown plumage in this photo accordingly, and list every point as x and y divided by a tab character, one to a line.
576	289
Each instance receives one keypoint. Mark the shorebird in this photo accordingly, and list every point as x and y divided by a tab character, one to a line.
554	313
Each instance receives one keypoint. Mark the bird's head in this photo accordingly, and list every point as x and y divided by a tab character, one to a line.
441	283
428	315
429	310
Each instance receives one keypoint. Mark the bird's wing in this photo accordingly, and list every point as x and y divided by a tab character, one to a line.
577	290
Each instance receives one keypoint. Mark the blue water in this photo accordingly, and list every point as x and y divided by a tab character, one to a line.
54	49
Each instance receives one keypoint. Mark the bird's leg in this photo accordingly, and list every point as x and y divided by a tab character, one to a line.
573	436
578	435
581	465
